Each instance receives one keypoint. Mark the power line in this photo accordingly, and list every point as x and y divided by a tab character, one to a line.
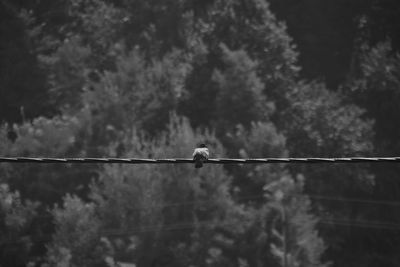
213	223
357	200
192	203
361	224
329	221
262	196
209	161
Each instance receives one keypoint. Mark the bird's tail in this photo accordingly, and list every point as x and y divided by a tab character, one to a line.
198	161
198	164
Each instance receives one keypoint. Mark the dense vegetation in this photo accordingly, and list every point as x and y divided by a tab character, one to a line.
154	78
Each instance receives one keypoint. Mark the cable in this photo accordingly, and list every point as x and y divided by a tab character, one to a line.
208	223
261	196
192	203
209	161
357	200
189	225
361	224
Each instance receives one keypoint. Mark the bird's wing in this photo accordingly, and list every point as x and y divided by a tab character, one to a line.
204	152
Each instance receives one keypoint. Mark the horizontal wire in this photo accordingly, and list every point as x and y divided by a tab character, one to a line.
209	161
345	200
208	223
327	221
361	224
356	200
358	223
191	203
213	223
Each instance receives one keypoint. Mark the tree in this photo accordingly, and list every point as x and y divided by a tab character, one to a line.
16	227
240	99
116	70
147	202
22	82
261	140
318	122
250	31
138	92
294	238
76	241
376	88
57	137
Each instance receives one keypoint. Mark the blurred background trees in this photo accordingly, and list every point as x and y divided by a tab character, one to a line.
152	79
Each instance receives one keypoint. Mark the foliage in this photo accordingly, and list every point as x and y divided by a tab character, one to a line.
15	228
376	88
23	94
240	32
260	141
43	137
320	123
146	202
158	199
76	242
114	79
239	99
139	93
138	206
294	240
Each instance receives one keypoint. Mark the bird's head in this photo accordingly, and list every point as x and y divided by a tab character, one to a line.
202	145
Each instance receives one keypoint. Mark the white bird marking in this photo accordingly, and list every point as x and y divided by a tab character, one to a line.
200	155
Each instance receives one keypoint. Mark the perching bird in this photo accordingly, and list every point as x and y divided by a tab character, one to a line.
200	155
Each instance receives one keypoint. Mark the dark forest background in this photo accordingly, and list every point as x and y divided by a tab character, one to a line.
151	79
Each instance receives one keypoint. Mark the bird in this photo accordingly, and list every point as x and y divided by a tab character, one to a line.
200	155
